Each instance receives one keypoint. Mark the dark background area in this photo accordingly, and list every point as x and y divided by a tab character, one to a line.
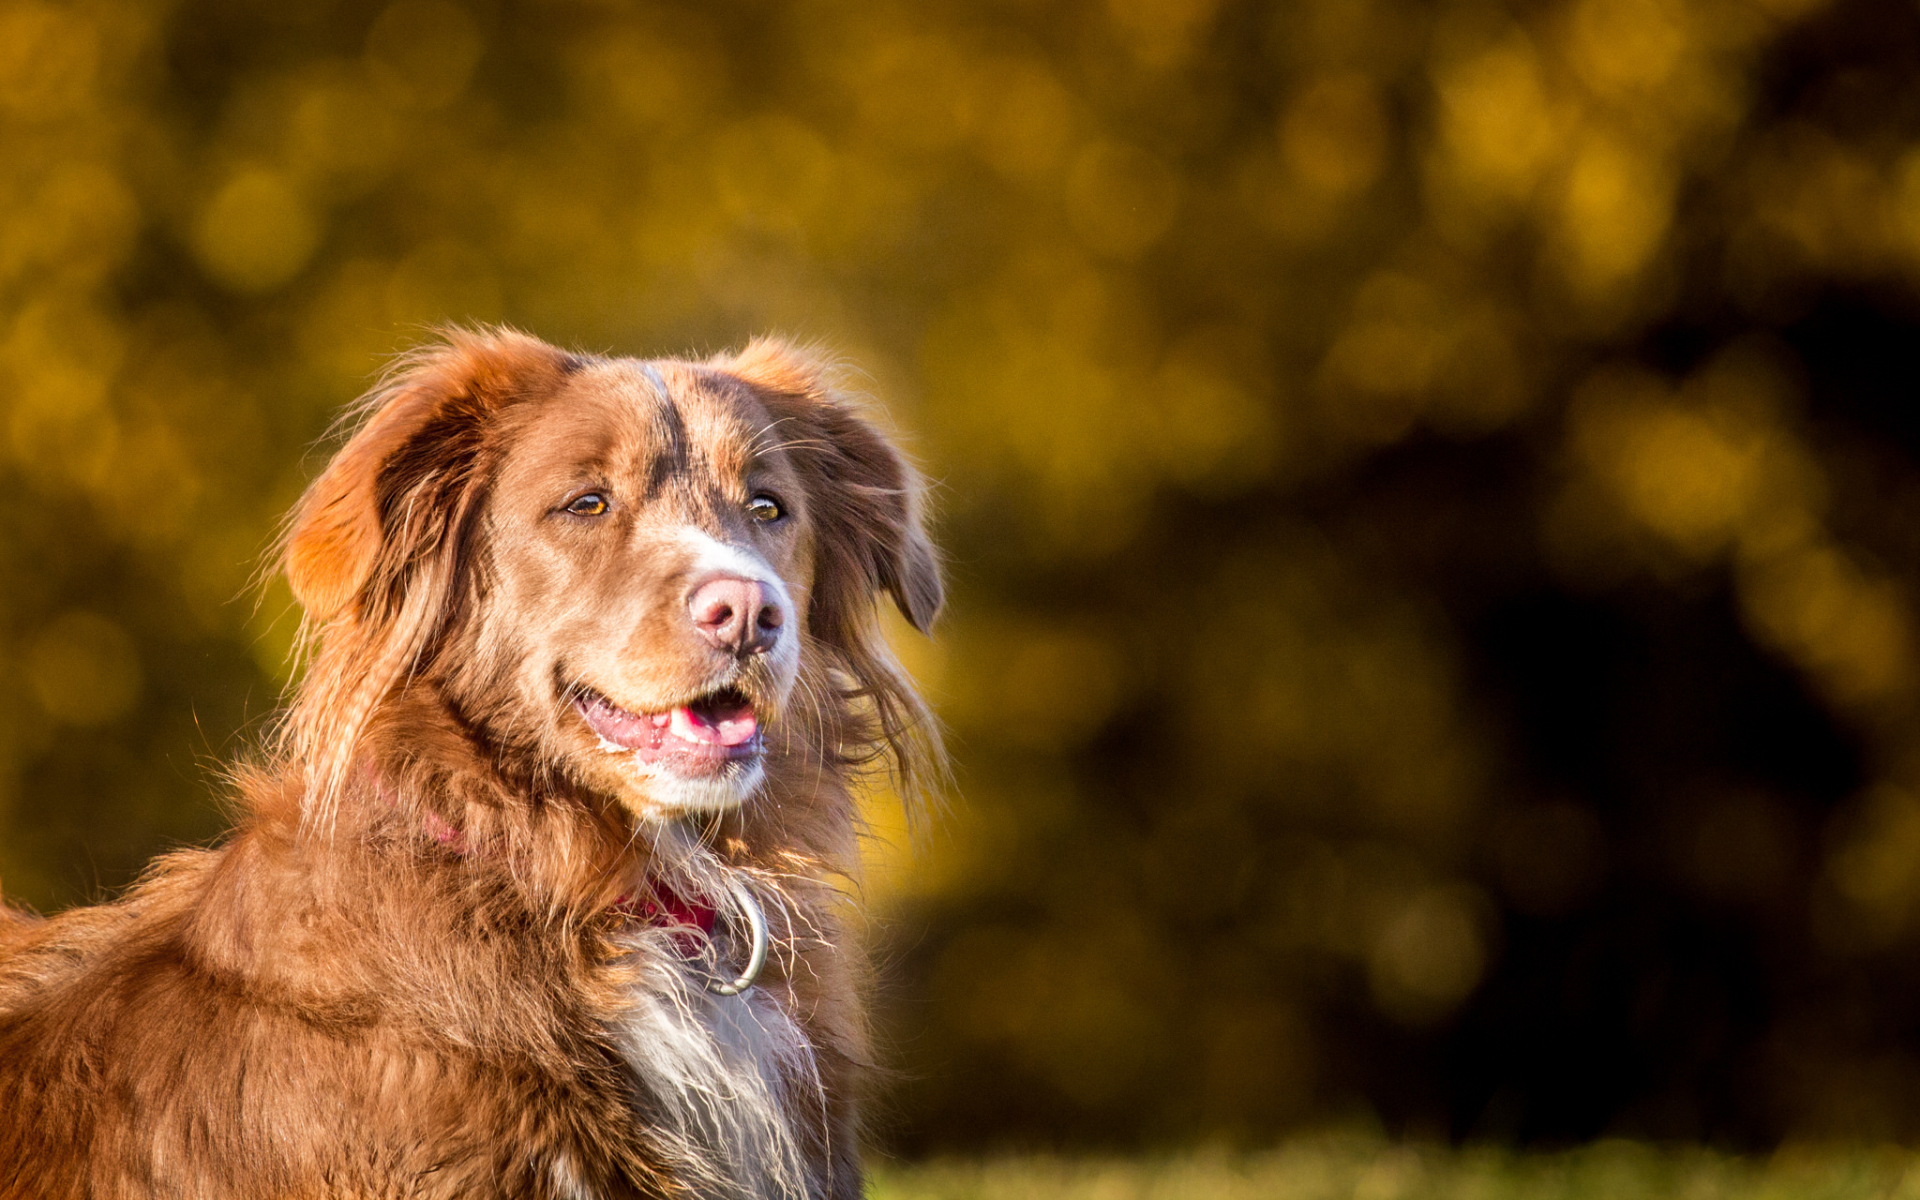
1432	495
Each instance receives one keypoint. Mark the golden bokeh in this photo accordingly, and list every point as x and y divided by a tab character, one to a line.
1416	515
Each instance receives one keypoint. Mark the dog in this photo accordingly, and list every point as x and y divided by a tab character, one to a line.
541	889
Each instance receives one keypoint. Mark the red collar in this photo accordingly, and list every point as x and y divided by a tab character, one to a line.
664	906
661	906
688	920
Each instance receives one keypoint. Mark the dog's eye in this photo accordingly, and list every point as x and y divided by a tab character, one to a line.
592	504
765	509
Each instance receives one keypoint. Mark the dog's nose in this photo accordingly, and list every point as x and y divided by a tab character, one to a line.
736	615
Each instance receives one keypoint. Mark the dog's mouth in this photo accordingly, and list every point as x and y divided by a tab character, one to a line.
698	737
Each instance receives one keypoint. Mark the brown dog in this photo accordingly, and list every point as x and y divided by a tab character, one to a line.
537	896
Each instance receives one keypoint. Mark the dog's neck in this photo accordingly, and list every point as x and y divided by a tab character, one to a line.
428	778
424	780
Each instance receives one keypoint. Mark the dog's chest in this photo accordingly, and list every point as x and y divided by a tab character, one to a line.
727	1085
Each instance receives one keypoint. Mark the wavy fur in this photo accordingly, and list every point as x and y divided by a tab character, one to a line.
412	969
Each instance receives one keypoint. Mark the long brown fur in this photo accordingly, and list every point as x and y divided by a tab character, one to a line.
409	971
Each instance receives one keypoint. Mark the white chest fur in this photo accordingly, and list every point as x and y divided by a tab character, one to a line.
731	1080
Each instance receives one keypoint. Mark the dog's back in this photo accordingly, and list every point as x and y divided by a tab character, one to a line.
15	926
204	1038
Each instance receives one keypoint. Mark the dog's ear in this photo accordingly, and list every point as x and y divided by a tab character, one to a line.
372	551
399	479
869	537
335	533
867	499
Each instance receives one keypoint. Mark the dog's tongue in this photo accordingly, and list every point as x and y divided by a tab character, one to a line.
618	727
715	722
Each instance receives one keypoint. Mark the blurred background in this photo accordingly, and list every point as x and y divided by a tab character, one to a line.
1432	492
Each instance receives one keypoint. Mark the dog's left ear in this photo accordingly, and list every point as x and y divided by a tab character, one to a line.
867	498
869	537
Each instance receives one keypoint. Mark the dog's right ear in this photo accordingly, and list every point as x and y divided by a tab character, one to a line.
418	434
372	551
335	534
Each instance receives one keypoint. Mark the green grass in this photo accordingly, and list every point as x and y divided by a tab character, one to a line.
1335	1168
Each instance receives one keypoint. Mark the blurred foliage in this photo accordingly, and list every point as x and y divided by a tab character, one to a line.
1361	1168
1431	487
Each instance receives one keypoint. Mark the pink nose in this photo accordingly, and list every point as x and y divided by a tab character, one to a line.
736	615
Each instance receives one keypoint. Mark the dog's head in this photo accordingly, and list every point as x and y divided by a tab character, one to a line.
617	567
